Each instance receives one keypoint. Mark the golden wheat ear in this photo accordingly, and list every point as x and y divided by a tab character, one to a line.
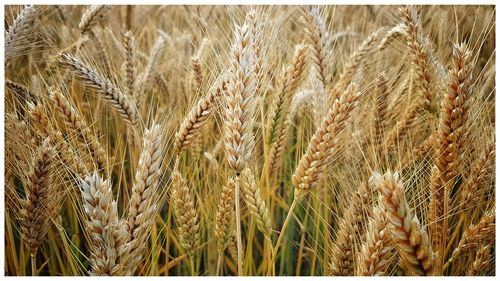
321	147
482	232
410	237
194	122
351	227
40	204
143	200
450	143
91	17
240	102
76	124
16	38
255	203
104	87
280	111
185	213
224	217
376	251
108	237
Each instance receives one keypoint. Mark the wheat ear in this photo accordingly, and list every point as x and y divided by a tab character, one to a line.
238	116
41	202
480	173
374	257
129	69
350	228
106	89
412	31
91	17
239	110
21	91
255	203
197	72
481	262
69	155
390	36
186	216
19	138
75	122
224	217
315	28
356	62
15	37
323	142
277	124
450	143
108	236
257	29
193	124
224	220
398	132
39	120
482	232
147	76
142	203
410	237
319	151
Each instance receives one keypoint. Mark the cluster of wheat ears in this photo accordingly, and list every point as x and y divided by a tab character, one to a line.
249	140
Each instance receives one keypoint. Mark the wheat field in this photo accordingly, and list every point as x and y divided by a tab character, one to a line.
249	140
